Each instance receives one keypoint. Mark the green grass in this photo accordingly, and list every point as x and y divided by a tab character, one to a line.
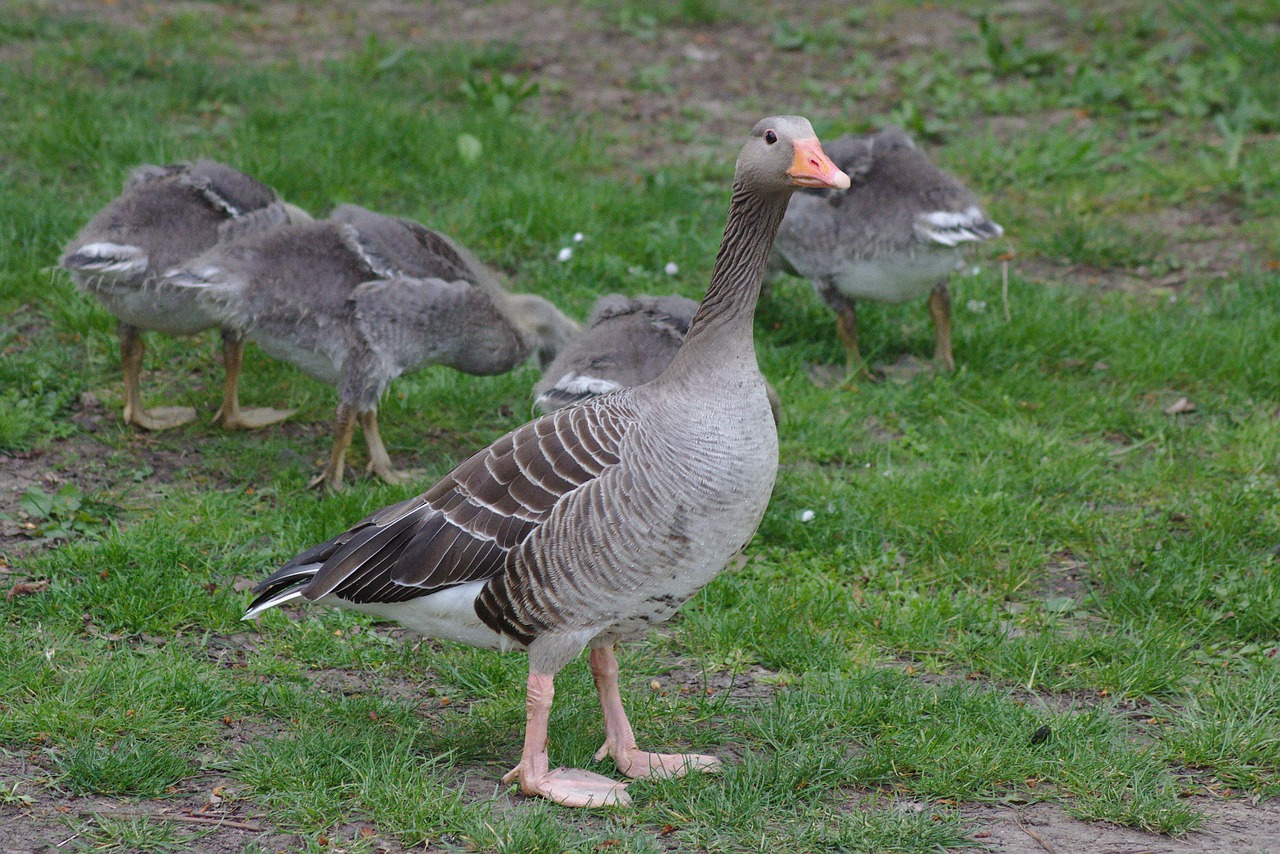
1022	582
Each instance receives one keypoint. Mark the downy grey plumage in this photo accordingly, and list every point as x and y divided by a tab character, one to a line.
360	298
164	216
893	236
593	523
627	341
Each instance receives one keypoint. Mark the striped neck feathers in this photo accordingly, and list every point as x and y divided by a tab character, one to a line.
728	309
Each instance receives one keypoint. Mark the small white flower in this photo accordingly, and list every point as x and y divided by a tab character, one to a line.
975	270
579	237
564	255
807	516
977	306
671	269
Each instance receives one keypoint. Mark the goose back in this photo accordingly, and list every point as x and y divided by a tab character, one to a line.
893	234
165	215
393	246
374	293
398	323
528	518
628	341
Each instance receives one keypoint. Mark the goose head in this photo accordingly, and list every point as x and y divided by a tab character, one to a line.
783	153
548	330
295	215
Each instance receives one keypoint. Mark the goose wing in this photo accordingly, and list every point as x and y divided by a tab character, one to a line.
393	246
464	528
952	227
226	189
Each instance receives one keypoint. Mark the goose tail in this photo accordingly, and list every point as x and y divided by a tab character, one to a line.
283	585
105	262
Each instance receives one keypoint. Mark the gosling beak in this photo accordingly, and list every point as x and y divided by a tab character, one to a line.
813	168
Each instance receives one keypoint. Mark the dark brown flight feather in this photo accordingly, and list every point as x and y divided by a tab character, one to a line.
468	525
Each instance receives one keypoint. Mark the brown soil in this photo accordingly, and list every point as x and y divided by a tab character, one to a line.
205	813
103	462
1239	826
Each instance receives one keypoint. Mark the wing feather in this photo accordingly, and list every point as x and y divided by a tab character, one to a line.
466	527
950	228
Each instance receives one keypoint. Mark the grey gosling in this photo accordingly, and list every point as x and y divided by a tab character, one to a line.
360	298
627	342
891	237
596	522
165	215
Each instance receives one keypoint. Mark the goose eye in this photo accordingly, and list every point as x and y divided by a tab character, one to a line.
770	137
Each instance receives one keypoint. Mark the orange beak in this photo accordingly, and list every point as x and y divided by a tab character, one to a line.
813	168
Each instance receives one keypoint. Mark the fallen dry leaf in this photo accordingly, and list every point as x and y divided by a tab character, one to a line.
1180	406
26	588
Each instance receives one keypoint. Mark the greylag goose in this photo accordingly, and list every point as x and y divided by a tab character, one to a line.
166	215
598	521
360	298
627	342
892	237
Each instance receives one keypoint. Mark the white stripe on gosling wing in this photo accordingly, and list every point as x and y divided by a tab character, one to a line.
107	258
952	227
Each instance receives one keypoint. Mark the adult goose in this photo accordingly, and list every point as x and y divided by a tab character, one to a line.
165	215
893	236
627	342
593	523
360	298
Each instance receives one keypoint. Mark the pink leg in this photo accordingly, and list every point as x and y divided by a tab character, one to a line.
620	740
571	787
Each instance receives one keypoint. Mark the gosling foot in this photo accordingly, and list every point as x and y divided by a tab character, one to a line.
251	419
161	417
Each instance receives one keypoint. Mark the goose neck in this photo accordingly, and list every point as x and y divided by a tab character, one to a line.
728	309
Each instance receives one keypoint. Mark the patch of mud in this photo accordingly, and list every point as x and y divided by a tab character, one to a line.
754	683
1231	827
1064	576
123	470
52	821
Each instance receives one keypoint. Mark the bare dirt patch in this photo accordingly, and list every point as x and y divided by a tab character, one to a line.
53	821
753	684
133	474
1232	827
1064	575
